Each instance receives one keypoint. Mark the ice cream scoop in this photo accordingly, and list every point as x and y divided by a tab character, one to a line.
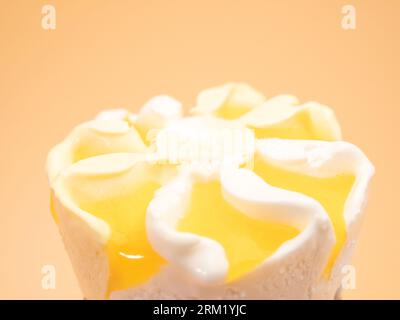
268	207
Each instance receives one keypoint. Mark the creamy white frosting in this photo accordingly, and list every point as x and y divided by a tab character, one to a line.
159	112
204	259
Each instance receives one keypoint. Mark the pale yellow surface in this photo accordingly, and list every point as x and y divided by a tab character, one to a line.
119	54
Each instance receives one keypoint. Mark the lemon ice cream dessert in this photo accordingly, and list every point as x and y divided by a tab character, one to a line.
244	198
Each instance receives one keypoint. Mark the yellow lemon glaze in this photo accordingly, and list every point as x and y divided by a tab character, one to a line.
52	209
231	112
132	260
298	127
331	193
121	200
247	241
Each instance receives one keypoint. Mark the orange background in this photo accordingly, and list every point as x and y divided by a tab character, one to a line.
120	53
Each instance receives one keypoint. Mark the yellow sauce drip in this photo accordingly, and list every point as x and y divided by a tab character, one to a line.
52	208
331	193
132	260
247	241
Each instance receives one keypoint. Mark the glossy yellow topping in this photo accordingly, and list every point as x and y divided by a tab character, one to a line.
247	241
121	199
132	260
331	193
